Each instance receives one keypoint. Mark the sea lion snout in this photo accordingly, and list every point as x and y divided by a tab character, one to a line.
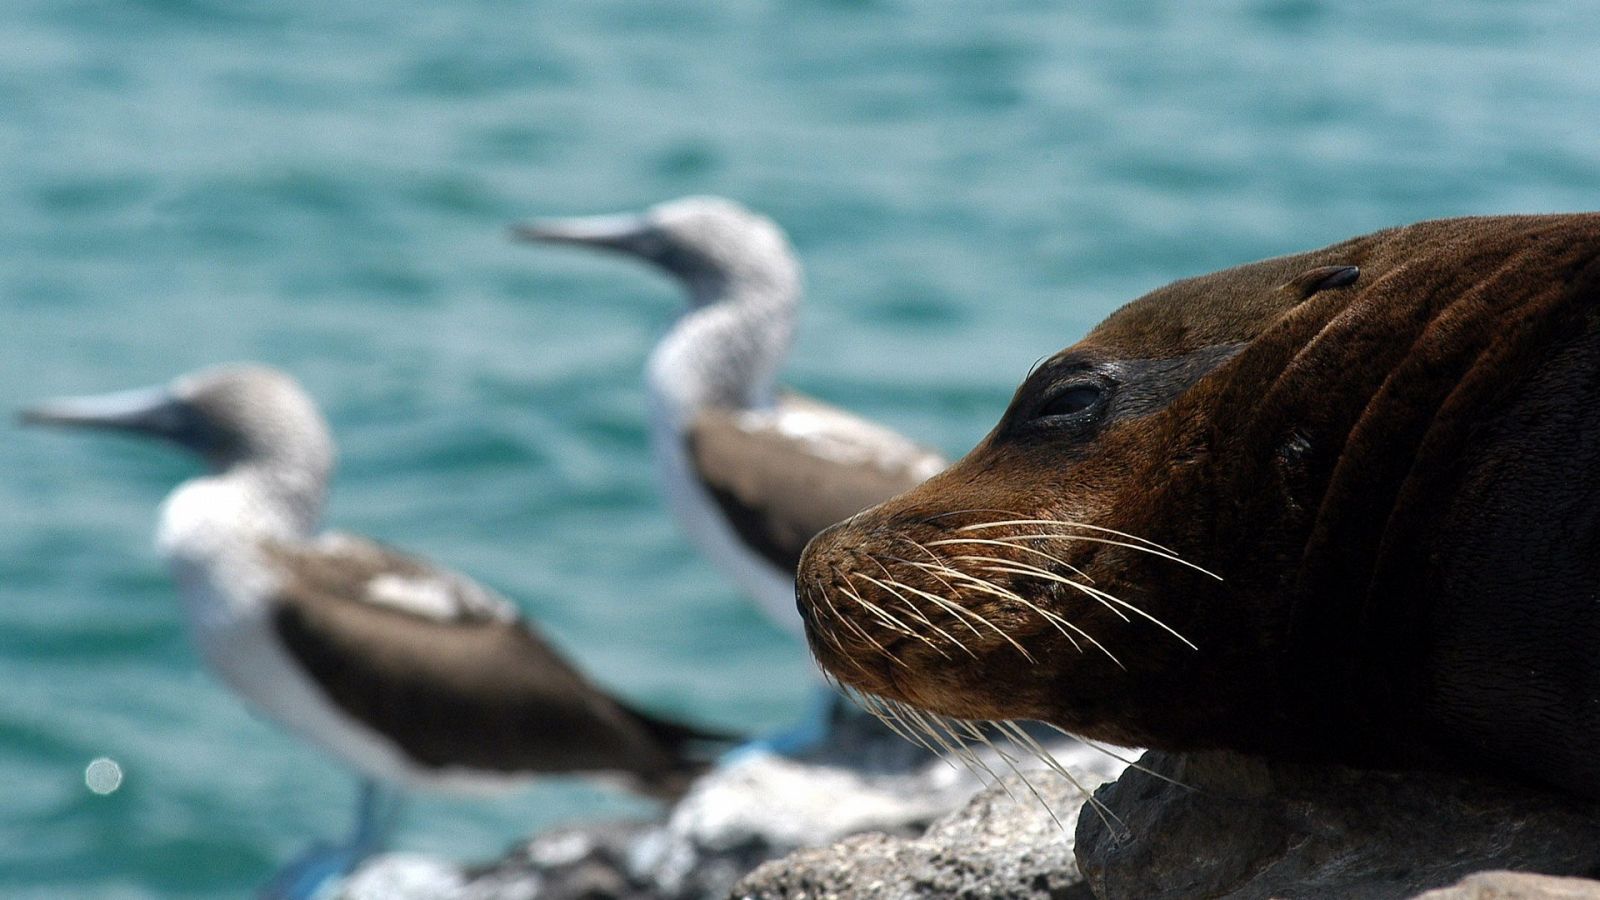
923	604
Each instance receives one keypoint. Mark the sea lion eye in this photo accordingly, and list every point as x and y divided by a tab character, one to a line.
1324	278
1071	400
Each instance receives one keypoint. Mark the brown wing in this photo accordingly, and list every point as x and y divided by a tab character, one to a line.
782	476
477	691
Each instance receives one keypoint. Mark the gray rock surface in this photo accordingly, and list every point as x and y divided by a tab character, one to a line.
1237	827
1002	844
1516	886
753	809
852	821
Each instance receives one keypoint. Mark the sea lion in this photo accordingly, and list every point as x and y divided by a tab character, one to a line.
1341	506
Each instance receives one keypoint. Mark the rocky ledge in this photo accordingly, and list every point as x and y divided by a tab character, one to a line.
1221	825
751	809
874	817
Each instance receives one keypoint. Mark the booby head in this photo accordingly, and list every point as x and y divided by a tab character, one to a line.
227	415
714	246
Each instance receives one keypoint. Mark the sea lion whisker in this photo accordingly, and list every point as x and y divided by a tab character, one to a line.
1011	763
1061	624
829	634
938	568
812	589
904	601
913	720
1106	599
961	610
1022	568
971	581
1058	523
881	709
975	509
1011	567
1018	734
917	544
888	722
1127	761
885	618
882	615
1137	766
1020	737
881	648
891	620
984	586
974	583
873	641
908	604
1095	540
1036	552
892	717
889	586
942	565
934	723
839	617
964	610
910	607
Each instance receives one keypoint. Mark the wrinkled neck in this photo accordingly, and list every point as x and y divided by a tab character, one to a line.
725	351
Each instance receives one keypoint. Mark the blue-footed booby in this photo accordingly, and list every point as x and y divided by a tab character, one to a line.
411	674
750	471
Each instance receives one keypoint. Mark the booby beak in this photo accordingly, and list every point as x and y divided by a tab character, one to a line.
152	410
625	232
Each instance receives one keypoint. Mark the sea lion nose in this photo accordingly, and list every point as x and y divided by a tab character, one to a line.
812	574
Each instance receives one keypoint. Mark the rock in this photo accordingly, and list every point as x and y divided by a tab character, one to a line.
1230	827
1239	827
751	809
1516	886
1003	844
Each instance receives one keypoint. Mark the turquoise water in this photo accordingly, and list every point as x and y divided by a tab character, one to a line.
325	186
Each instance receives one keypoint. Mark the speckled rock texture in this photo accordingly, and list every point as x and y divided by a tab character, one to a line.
760	807
1221	825
1002	844
853	822
1516	886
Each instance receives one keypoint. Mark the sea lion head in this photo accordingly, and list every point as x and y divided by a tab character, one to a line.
1156	520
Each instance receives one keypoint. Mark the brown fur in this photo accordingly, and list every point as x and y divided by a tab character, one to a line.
1390	476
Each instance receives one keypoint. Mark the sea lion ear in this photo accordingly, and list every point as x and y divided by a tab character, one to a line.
1322	278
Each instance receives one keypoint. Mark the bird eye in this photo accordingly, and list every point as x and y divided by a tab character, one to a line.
1071	401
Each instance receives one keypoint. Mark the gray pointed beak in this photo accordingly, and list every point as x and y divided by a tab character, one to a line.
151	410
615	232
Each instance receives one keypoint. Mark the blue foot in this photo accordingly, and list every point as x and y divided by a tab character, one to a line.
811	732
318	870
315	871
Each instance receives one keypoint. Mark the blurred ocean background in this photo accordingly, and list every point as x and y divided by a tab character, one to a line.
326	187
